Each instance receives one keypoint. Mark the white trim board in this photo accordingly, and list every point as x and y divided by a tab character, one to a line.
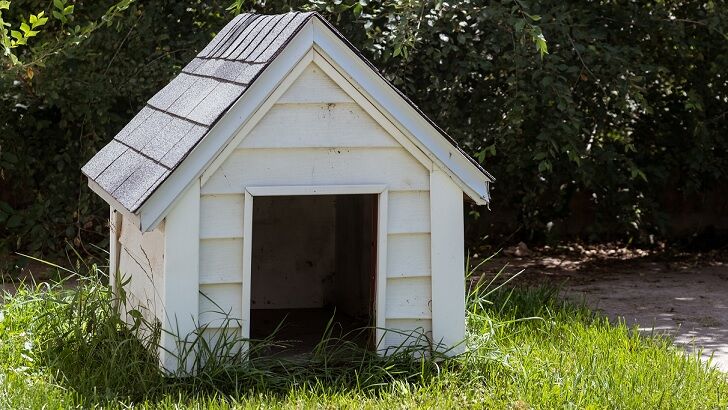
315	190
382	206
352	73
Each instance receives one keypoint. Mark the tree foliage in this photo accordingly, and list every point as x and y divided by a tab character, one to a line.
610	104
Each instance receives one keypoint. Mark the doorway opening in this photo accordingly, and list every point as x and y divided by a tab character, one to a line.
313	266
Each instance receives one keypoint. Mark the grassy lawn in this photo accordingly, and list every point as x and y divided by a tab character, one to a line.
63	348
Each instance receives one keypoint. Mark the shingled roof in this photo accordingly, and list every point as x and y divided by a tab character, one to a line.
156	141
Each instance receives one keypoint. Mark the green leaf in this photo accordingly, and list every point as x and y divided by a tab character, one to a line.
541	45
4	5
520	24
68	10
16	34
544	166
59	4
14	221
25	28
37	20
59	16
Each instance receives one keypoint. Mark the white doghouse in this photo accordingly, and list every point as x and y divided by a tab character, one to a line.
280	174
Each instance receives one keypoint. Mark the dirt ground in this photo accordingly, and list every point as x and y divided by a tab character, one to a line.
683	295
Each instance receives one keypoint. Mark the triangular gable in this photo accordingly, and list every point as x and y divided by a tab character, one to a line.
322	134
313	40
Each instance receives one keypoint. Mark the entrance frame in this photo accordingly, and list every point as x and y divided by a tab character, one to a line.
295	190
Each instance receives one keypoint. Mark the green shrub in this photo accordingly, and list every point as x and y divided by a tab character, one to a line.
623	117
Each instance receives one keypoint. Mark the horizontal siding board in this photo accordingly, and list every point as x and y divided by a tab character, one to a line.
221	305
318	166
215	335
220	342
409	212
406	332
221	260
221	216
317	125
409	298
408	255
314	86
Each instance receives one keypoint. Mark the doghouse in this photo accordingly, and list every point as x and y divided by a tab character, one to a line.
281	175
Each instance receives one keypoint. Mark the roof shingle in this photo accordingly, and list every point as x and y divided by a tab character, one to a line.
175	119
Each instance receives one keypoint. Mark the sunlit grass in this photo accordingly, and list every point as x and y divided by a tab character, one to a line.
62	348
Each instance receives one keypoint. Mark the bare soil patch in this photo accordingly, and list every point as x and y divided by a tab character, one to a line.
17	270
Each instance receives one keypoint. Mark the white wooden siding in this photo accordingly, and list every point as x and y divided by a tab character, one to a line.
221	260
333	125
408	255
220	305
318	166
141	259
405	332
409	212
316	135
314	86
219	342
336	125
409	298
221	216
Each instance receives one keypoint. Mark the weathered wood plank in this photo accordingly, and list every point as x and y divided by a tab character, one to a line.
220	305
314	86
318	166
221	216
317	125
221	260
409	212
408	255
409	298
406	332
222	342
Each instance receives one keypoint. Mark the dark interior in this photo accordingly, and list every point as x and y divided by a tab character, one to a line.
313	262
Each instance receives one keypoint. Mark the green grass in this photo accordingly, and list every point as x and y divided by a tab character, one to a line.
63	348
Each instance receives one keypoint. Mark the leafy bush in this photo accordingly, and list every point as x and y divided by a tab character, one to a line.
624	113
